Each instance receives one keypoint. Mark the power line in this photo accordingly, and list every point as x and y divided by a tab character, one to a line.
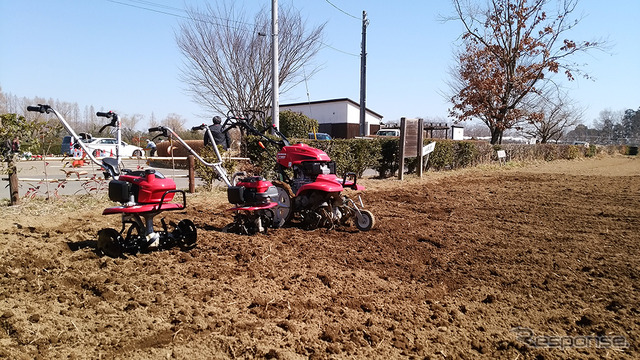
340	51
147	5
148	9
342	11
200	16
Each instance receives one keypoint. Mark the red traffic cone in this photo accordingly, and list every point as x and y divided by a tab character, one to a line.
111	153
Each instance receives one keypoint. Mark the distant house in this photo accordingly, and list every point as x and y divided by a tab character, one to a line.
339	118
457	132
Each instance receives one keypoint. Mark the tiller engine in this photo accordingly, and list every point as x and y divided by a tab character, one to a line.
254	211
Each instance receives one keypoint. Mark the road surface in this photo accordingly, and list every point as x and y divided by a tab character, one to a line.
33	175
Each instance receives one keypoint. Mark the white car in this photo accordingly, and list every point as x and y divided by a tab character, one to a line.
388	132
101	147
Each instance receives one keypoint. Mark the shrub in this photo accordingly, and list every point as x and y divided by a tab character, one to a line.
466	153
207	173
443	155
296	125
264	159
388	163
574	152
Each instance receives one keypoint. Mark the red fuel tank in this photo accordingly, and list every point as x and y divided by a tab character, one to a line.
295	154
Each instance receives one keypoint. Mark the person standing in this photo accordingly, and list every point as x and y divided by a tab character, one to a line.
220	137
151	146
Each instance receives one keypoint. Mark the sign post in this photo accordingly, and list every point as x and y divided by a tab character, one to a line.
502	157
426	150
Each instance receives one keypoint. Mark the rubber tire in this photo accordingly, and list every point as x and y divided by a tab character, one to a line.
189	233
137	153
109	243
95	153
368	223
285	212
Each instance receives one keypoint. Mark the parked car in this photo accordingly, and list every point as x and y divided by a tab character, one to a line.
319	136
67	143
388	132
107	147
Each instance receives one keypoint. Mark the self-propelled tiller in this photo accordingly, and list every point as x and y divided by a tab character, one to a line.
142	194
313	196
256	202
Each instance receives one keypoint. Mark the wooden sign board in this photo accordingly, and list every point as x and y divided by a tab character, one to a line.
411	138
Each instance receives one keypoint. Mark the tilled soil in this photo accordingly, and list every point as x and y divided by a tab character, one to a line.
535	262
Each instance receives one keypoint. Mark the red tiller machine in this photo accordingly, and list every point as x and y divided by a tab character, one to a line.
143	194
314	195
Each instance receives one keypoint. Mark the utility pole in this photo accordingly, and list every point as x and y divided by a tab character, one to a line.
275	116
363	77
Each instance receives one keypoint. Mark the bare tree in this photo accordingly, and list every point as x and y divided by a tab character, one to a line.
228	58
607	124
175	122
128	126
511	50
3	102
558	115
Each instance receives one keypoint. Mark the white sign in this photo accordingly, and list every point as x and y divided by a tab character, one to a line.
427	149
502	154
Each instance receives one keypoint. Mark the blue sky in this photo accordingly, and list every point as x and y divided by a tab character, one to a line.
123	58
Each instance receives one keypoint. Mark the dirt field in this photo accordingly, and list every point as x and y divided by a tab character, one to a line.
461	265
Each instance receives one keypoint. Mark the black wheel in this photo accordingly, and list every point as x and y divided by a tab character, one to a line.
110	242
96	153
137	153
229	228
134	240
284	210
188	233
366	221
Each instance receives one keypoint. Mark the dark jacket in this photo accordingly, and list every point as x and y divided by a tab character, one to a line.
219	137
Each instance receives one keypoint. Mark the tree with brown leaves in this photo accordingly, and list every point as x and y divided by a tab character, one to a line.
511	51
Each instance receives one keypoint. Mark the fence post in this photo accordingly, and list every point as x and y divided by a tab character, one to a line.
403	135
420	146
192	178
13	183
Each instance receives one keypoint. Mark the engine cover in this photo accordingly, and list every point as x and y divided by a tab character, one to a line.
147	187
252	191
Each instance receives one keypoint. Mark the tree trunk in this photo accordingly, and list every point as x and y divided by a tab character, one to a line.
496	136
13	183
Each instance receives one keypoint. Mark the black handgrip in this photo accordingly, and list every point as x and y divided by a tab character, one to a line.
199	127
105	114
35	108
154	129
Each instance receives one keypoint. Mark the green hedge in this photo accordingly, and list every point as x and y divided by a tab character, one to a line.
381	154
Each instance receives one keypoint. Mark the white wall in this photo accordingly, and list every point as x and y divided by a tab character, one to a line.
333	112
457	133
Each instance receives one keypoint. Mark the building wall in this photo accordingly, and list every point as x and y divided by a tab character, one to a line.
333	117
457	133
